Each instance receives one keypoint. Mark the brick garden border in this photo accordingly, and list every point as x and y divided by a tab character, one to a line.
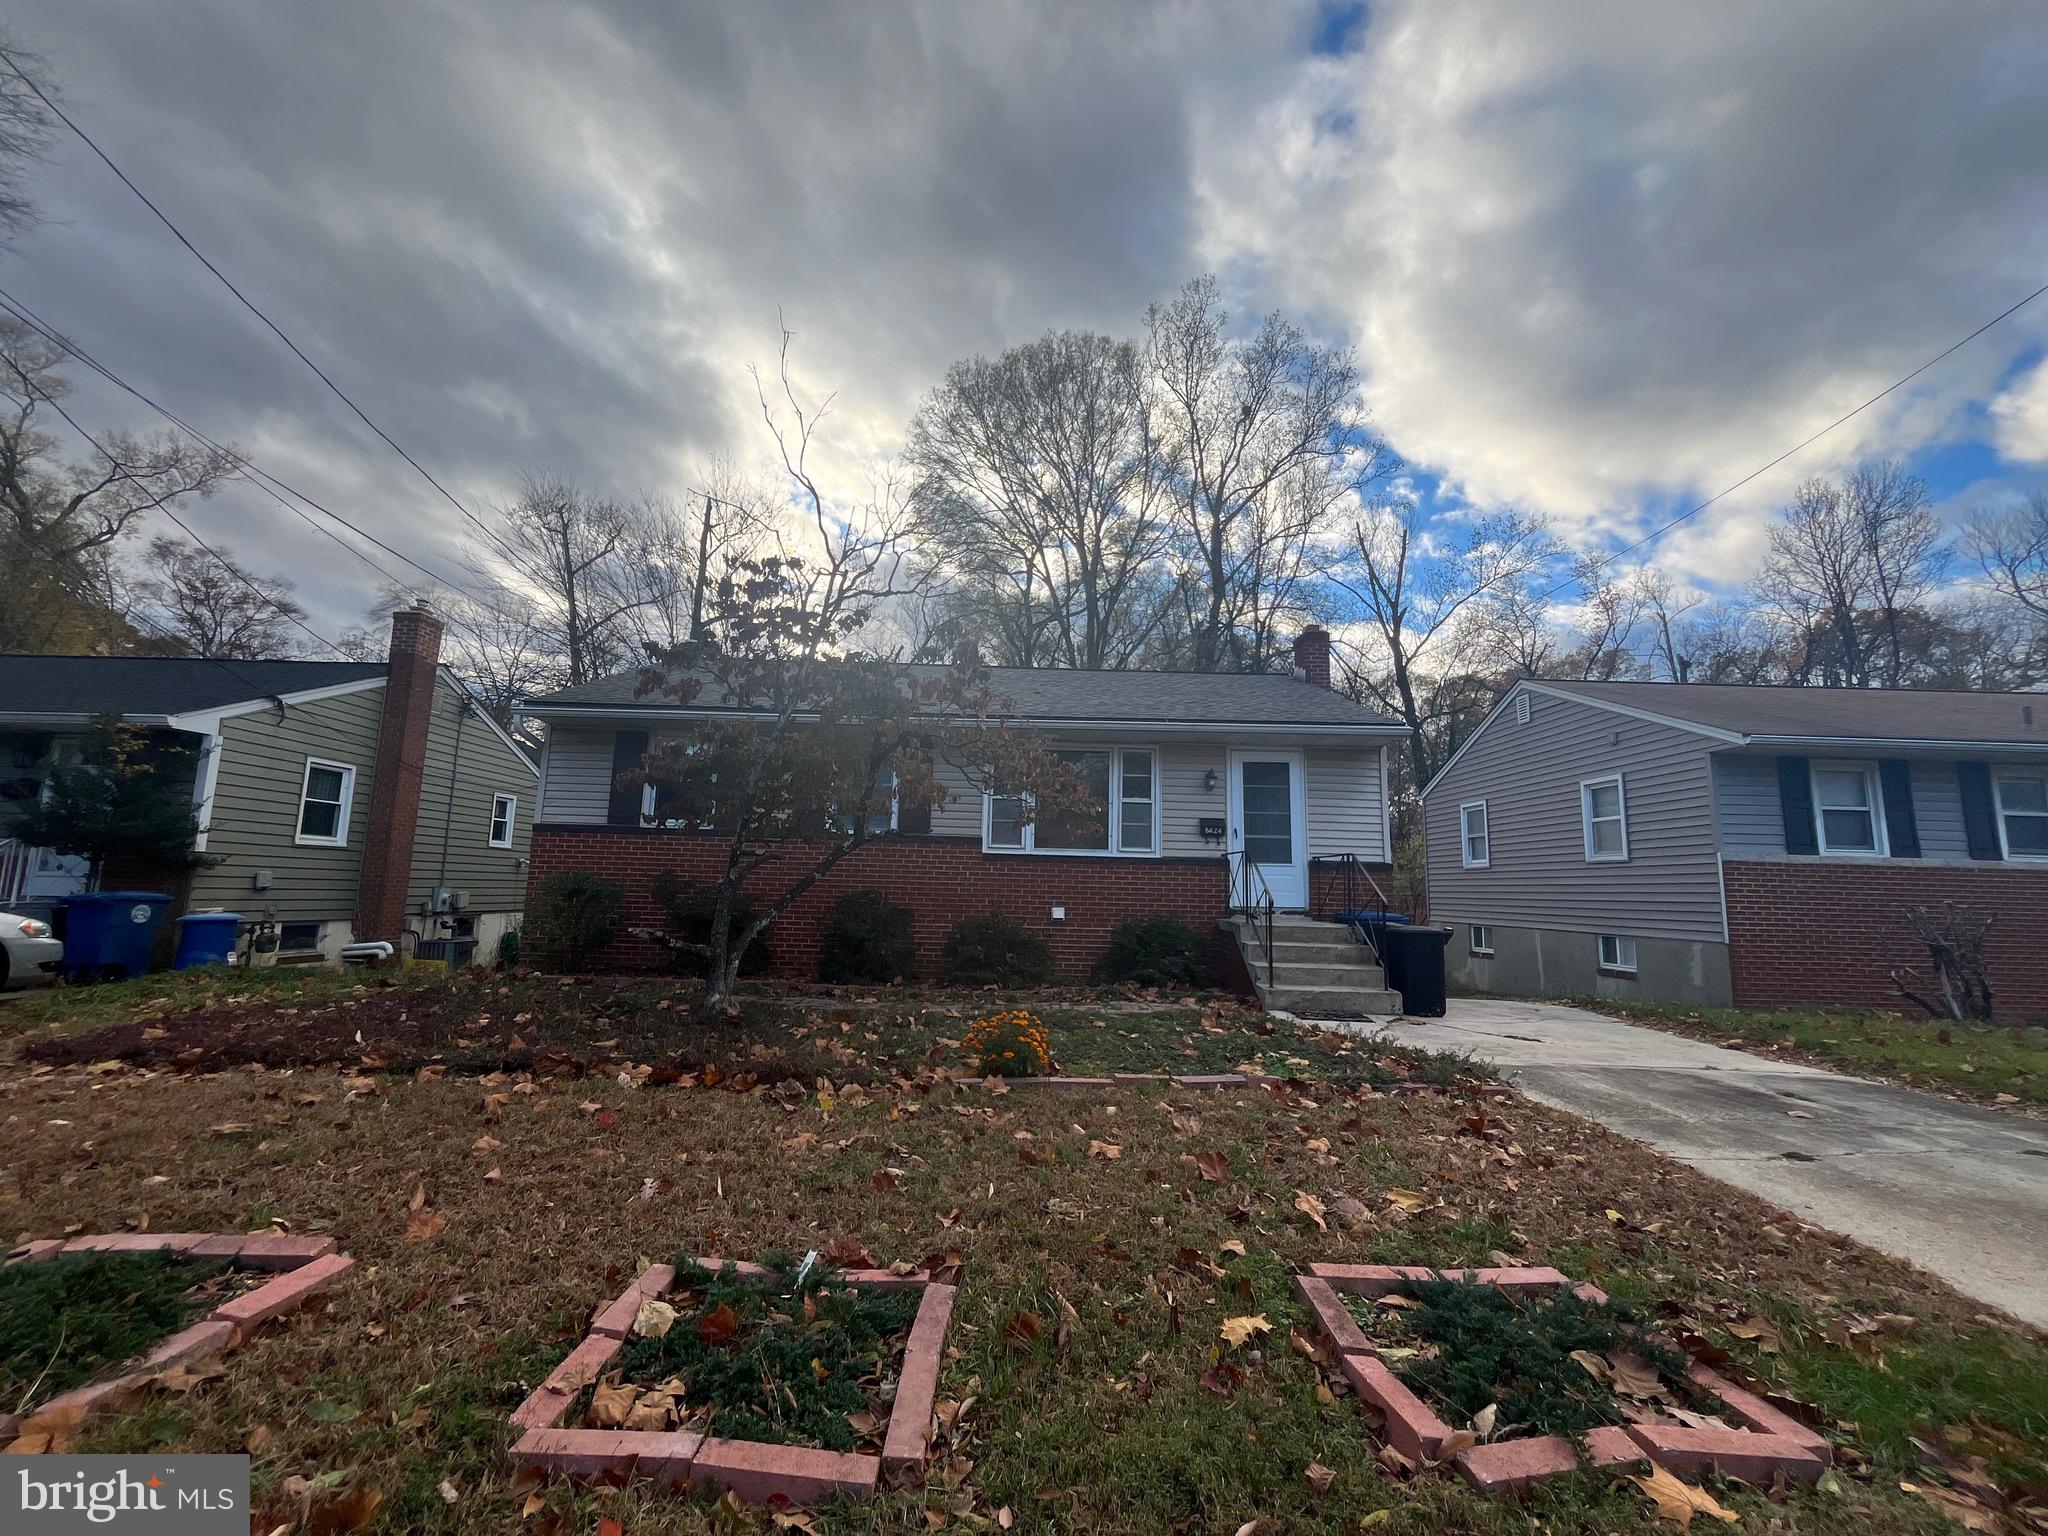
306	1266
752	1469
1768	1442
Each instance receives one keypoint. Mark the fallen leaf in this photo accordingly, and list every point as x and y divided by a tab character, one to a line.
423	1224
1320	1477
1109	1151
1312	1208
654	1319
1214	1167
611	1404
1239	1331
1678	1501
717	1325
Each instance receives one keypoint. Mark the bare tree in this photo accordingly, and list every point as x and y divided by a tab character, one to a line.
59	518
1905	550
1038	489
2010	545
215	607
581	560
1239	419
24	132
1417	602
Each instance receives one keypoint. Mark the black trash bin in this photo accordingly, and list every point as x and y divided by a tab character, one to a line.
1415	967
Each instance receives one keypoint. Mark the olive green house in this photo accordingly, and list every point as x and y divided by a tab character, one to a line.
344	802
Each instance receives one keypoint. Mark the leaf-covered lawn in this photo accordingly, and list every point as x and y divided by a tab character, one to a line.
1106	1237
1999	1064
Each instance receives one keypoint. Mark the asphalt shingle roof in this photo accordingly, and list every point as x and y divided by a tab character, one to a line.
1872	714
1045	693
158	685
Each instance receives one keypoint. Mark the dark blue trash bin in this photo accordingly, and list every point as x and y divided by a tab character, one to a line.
110	934
206	938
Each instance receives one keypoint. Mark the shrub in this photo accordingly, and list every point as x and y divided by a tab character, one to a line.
996	950
690	910
508	948
1012	1044
1156	952
572	916
869	939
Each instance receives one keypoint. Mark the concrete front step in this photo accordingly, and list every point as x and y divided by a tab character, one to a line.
1311	974
1328	1002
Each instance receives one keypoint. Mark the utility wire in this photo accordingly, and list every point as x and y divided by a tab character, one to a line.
164	219
254	473
1657	533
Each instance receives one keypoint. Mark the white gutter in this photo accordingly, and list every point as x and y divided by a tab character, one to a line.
1036	722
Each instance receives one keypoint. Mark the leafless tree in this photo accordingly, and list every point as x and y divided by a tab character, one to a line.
1038	490
59	517
1238	419
24	132
2010	545
1905	548
1417	602
215	607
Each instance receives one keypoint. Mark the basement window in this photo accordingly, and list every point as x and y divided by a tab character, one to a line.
299	938
1617	954
1479	939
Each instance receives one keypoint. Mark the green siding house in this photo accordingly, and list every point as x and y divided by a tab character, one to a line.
345	802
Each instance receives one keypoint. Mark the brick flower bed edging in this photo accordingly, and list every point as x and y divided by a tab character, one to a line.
1768	1442
304	1266
754	1470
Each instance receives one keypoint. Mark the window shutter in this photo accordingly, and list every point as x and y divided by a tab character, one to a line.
629	749
1902	829
914	820
1980	814
1795	804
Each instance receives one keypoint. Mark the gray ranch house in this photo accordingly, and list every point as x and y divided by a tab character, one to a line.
345	801
1723	844
1216	791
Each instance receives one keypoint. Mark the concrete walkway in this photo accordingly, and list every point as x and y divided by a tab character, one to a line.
1960	1191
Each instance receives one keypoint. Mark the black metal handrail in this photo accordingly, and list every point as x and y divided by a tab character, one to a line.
1252	899
1352	873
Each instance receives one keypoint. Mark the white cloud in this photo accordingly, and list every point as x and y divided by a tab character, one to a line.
2020	418
1597	256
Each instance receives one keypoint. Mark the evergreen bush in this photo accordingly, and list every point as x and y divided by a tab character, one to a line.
572	916
869	939
1157	951
996	950
690	909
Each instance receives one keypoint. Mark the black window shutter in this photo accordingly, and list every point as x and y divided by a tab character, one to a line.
629	750
914	820
1902	829
1795	803
1980	815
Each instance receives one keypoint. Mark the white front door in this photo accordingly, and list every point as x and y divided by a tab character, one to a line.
1268	823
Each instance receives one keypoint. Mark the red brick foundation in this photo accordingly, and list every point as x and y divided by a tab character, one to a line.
940	880
1813	932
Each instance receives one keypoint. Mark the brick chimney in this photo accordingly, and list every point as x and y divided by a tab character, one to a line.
1312	655
401	763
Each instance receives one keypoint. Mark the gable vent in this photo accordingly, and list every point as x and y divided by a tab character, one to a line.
1522	709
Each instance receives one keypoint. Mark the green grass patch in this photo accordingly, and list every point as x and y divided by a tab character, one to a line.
1978	1059
67	1321
1469	1347
776	1358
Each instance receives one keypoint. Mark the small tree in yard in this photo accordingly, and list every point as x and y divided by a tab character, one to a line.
119	802
1955	947
818	734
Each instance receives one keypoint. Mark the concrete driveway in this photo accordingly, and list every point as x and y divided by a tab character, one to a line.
1960	1191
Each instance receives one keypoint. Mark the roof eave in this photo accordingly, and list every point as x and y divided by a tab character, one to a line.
1890	744
1371	728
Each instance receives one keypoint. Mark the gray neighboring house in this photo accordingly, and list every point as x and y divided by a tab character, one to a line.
1724	844
345	800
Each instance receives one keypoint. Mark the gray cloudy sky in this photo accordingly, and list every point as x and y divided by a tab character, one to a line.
1595	258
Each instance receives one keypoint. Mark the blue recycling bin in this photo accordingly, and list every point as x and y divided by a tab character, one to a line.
109	935
206	938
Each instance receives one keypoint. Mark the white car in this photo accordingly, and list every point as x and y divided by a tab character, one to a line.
29	952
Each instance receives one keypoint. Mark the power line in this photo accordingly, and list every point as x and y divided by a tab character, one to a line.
1657	533
225	563
199	255
251	471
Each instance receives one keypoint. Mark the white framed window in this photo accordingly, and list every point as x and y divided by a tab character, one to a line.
2022	814
881	810
1848	809
1617	953
1603	810
1479	939
504	819
1474	840
325	796
1124	784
